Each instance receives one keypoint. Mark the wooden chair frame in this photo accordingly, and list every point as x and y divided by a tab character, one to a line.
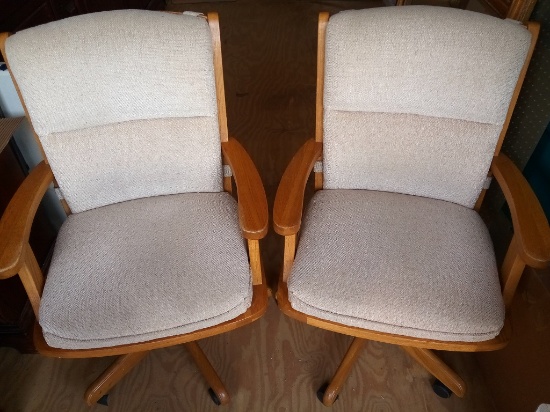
530	244
17	257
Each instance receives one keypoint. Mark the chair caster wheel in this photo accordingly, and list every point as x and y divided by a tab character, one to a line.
441	390
104	400
321	392
214	397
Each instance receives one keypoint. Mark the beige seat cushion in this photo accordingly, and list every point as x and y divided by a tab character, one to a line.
145	269
399	264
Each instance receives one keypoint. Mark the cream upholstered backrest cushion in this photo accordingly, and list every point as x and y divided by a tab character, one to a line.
124	103
415	99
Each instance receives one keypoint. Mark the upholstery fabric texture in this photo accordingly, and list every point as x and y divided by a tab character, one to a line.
115	66
119	101
399	264
434	157
145	269
108	164
425	60
430	84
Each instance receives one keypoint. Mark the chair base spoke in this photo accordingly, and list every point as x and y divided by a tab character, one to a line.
216	386
337	382
111	376
431	362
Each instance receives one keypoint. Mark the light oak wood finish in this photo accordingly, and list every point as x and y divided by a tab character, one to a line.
289	254
531	246
114	373
343	371
255	261
521	9
32	278
319	108
16	222
534	29
16	256
275	364
437	368
289	200
512	269
528	218
253	211
64	204
210	375
214	23
481	197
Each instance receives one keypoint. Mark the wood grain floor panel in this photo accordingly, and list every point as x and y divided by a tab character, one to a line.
276	364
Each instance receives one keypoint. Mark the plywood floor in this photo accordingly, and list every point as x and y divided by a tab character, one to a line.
276	364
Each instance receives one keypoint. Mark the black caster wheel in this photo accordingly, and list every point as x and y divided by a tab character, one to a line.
214	397
441	390
321	392
104	400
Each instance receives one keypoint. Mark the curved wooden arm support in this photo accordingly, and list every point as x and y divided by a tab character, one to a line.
253	212
16	223
289	201
531	231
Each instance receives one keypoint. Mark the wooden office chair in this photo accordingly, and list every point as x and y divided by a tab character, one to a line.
129	109
412	107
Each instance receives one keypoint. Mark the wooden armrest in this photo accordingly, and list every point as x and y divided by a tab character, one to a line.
528	218
253	214
16	222
289	201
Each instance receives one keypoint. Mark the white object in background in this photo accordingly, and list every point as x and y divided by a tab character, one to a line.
11	107
543	407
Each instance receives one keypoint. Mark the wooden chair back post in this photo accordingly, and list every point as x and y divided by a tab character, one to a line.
534	29
321	37
291	240
214	23
520	9
253	245
513	265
